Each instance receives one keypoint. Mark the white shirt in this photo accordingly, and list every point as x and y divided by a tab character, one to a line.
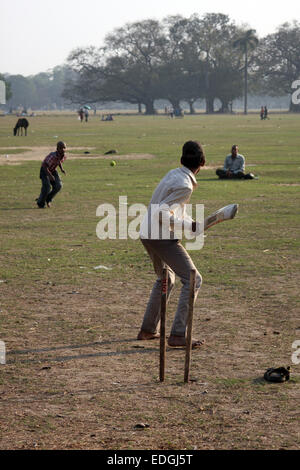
166	210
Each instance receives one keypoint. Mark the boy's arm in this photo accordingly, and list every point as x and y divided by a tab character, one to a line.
172	213
61	168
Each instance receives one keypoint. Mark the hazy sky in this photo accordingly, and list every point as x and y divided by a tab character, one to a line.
36	35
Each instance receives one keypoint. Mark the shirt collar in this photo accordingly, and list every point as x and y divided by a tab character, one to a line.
61	157
190	173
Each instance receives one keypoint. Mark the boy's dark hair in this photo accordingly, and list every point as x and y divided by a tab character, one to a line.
192	155
60	145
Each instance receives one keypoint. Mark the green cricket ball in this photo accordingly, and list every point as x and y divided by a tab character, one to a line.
112	163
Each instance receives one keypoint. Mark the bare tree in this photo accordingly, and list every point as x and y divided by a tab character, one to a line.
246	42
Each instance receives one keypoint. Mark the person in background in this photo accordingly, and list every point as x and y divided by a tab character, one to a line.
234	166
262	113
50	177
80	114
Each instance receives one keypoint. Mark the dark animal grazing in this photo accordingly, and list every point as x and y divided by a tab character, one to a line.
22	123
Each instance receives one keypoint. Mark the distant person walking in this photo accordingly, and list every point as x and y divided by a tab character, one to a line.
262	113
80	113
265	113
86	115
234	166
50	177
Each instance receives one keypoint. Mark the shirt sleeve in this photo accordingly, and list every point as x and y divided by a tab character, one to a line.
226	164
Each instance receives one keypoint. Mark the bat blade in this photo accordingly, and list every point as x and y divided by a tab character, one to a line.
225	213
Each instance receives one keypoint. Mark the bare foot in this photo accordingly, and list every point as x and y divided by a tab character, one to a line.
145	335
49	204
179	341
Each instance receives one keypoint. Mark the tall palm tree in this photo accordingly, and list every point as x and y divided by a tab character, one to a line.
247	41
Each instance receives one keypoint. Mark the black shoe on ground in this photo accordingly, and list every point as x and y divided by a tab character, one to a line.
250	176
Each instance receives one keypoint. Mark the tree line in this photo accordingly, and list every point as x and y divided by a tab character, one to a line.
41	91
184	59
180	59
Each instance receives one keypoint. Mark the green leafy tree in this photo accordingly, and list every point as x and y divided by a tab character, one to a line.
278	61
211	37
126	68
181	76
84	80
23	92
176	59
139	47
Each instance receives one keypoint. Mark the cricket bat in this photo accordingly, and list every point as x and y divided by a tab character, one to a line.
225	213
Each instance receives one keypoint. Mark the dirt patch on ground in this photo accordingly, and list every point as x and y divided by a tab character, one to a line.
77	365
39	153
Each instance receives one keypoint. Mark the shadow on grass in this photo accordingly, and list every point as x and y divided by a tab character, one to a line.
83	356
259	381
18	208
72	346
137	350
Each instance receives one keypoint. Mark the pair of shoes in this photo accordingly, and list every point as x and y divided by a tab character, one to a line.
281	374
250	176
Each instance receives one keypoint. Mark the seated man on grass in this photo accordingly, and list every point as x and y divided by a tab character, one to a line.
234	166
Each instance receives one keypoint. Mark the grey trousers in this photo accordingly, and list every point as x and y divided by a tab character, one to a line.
178	262
46	194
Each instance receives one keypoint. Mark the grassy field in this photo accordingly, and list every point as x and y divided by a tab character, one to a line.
76	378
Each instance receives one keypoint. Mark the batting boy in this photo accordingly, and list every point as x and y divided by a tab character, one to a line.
164	249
